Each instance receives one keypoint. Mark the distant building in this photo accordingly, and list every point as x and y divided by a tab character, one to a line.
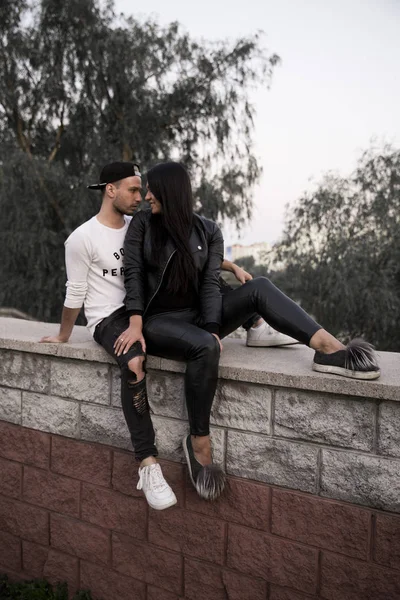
257	251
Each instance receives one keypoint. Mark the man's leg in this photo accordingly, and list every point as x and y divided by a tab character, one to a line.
174	336
136	410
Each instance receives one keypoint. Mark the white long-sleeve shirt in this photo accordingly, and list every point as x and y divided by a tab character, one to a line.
95	270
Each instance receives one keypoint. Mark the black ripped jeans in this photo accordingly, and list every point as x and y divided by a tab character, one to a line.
177	335
133	393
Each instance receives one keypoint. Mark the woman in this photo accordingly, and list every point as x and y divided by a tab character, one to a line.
173	296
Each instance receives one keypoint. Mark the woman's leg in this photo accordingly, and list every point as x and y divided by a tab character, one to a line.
254	318
259	333
356	360
177	338
261	296
173	335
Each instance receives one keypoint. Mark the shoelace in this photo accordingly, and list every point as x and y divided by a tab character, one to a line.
151	477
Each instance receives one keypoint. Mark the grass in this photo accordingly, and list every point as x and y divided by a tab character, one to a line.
38	589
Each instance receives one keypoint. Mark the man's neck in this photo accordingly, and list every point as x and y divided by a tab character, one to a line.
110	218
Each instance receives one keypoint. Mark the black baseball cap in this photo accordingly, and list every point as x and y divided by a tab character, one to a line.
114	172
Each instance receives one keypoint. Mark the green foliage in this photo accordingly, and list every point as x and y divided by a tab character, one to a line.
249	264
342	251
81	87
38	589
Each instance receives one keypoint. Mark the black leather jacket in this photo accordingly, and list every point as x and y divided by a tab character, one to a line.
143	277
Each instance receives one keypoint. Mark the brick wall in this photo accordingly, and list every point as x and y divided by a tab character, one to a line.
69	511
336	445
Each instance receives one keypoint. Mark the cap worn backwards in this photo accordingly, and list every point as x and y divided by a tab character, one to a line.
114	172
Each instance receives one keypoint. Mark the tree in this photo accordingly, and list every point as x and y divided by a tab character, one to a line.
341	248
248	263
81	87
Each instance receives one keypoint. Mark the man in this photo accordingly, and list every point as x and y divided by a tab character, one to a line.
94	262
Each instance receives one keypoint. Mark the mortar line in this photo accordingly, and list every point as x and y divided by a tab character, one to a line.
371	537
376	431
110	385
272	412
319	473
268	593
319	572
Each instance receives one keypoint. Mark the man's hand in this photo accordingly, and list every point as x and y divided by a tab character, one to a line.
68	319
241	275
219	341
53	339
127	338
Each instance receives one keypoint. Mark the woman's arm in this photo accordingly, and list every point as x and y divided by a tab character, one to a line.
210	289
134	286
134	265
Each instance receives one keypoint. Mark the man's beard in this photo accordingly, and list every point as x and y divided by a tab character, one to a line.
126	212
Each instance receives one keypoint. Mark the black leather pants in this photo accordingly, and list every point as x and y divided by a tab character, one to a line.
177	335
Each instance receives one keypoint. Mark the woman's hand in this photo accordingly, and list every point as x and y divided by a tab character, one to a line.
241	275
127	338
219	341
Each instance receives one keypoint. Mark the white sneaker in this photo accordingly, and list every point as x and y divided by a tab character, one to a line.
158	493
264	335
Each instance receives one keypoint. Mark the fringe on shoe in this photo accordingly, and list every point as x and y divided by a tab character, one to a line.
210	482
360	356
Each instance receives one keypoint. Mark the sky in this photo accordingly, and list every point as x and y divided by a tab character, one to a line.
336	91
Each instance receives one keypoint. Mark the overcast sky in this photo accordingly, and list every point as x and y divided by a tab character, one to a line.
337	88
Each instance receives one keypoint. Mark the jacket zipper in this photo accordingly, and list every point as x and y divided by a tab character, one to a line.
159	285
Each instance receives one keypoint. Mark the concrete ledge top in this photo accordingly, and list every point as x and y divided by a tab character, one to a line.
288	367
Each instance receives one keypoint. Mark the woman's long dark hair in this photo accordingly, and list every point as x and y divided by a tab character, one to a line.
170	183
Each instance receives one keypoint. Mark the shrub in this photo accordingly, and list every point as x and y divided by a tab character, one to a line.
38	589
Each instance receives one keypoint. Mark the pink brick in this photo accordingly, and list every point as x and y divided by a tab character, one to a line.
51	491
387	541
10	552
154	593
242	502
60	567
323	523
279	593
113	510
214	583
88	462
24	445
44	562
275	560
80	539
125	475
105	584
10	478
24	520
190	533
34	557
240	587
147	563
350	579
16	576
